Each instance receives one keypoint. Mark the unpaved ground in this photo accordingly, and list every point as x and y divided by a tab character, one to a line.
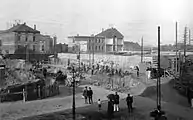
15	110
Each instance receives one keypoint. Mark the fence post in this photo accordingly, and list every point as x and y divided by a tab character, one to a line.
39	96
24	97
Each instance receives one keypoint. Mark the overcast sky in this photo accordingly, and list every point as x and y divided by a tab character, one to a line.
133	18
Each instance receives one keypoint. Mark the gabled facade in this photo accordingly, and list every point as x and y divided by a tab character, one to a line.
113	40
22	35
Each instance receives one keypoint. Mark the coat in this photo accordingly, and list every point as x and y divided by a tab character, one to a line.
110	107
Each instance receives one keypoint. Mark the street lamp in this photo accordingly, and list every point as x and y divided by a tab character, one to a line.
73	104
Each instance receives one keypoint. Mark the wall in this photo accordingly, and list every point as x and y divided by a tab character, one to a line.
109	41
120	41
109	48
98	44
7	43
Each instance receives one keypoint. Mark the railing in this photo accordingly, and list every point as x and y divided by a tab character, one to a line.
31	93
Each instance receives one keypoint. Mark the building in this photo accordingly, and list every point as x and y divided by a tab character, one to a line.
21	35
86	44
61	48
113	40
131	46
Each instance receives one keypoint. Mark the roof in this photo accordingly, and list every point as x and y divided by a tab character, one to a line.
110	33
86	37
21	28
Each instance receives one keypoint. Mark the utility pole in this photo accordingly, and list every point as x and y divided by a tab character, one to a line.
189	37
79	60
55	56
90	52
185	37
93	52
141	49
73	104
158	79
176	47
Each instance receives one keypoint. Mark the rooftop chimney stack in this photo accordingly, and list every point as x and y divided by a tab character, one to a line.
24	23
34	27
102	29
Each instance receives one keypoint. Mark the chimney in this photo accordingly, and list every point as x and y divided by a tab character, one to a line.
77	34
102	29
34	27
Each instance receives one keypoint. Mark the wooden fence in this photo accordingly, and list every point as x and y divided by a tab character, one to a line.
28	94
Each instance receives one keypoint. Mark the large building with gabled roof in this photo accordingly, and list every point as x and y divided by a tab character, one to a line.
21	35
113	40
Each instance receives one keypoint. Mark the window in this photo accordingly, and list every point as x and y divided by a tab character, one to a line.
18	37
96	41
42	47
34	47
99	40
99	47
88	47
26	38
102	48
0	43
95	47
34	38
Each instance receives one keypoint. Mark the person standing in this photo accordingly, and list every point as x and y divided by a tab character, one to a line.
90	93
85	94
99	104
137	68
129	101
110	108
116	102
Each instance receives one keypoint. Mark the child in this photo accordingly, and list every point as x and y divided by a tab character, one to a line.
99	104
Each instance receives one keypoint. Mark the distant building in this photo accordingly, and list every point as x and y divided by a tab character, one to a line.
131	46
21	35
61	48
86	44
113	40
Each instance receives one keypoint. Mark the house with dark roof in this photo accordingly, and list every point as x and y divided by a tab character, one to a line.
113	40
21	35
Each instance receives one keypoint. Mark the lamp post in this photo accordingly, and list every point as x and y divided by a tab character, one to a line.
73	104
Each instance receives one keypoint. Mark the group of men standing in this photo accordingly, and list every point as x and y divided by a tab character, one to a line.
113	104
87	94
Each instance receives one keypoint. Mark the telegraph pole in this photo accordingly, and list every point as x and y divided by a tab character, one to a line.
189	37
176	47
158	79
185	36
93	51
141	49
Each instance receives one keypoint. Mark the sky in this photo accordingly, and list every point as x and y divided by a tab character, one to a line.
133	18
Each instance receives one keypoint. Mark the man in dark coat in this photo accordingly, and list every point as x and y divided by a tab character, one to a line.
110	109
129	101
90	93
85	94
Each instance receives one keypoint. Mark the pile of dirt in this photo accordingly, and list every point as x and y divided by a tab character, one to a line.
168	94
16	72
